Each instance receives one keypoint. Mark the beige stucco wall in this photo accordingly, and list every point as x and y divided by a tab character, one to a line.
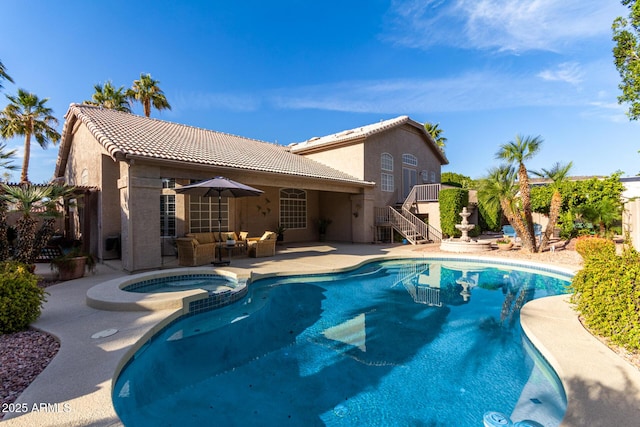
399	141
361	158
348	158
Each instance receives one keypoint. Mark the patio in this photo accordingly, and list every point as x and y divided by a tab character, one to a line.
602	388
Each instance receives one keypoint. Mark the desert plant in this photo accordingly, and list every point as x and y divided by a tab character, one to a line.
67	260
26	198
20	297
607	294
591	247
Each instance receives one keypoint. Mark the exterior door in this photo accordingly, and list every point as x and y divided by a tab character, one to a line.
409	179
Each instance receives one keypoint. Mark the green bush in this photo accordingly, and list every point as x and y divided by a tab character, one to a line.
489	217
591	247
452	200
607	294
20	297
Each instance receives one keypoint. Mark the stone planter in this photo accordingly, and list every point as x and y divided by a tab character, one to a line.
72	268
504	246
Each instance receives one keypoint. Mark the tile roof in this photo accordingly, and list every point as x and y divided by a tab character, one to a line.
126	135
363	132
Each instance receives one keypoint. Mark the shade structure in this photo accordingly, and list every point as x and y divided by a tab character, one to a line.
219	187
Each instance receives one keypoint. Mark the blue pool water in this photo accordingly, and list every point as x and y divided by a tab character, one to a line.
393	343
208	282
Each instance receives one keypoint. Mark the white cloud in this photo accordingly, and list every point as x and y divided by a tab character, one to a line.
569	72
504	25
466	92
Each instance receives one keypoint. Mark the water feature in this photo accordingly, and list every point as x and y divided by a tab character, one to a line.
464	244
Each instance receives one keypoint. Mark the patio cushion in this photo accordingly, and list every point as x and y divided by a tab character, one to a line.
268	235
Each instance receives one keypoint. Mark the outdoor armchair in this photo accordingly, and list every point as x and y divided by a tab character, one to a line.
262	246
192	253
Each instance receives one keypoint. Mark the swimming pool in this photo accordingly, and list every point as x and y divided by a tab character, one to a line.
402	342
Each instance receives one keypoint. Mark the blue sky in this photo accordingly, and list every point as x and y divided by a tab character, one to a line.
285	71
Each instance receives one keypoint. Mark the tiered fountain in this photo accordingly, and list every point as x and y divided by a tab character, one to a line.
464	242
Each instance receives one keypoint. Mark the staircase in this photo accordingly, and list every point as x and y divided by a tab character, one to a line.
403	220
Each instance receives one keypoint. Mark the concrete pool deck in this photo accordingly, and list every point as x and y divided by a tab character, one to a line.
75	389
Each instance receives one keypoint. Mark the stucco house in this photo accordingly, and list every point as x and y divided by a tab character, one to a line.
134	164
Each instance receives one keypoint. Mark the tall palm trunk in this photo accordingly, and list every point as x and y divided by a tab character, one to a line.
26	235
147	107
554	214
529	238
24	178
518	224
4	237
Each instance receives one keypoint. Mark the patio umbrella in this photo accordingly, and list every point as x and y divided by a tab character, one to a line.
220	187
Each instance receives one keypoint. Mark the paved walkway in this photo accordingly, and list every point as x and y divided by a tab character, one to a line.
75	389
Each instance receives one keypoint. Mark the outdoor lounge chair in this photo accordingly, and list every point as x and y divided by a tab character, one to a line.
262	246
510	232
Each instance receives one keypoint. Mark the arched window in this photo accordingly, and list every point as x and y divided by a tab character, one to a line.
409	159
386	162
293	208
386	179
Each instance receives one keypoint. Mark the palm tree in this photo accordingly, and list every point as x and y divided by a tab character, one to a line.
4	75
6	157
27	115
108	96
557	174
25	198
147	92
517	152
604	212
436	134
499	189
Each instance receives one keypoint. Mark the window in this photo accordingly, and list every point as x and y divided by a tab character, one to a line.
386	179
293	208
409	159
168	183
168	208
168	215
386	162
203	214
386	182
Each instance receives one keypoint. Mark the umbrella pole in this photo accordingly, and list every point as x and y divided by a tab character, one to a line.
220	226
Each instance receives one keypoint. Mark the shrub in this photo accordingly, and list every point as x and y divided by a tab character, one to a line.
607	294
489	216
590	247
20	297
452	200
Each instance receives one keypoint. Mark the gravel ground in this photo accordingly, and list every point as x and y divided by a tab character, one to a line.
23	355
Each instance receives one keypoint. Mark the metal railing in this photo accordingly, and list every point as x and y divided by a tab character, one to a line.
406	223
422	193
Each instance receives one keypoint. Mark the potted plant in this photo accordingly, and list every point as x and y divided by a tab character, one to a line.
73	264
280	232
504	244
323	223
231	241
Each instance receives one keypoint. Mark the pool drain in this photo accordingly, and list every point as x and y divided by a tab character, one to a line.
104	334
340	410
